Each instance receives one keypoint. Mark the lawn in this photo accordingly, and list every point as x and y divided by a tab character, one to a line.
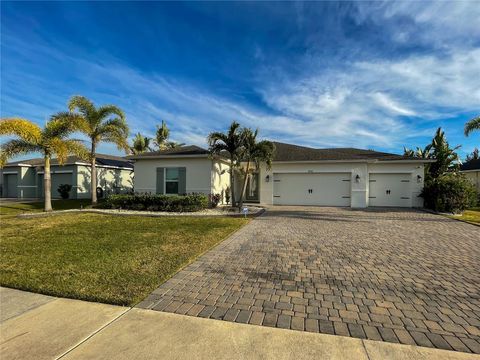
104	258
15	208
471	215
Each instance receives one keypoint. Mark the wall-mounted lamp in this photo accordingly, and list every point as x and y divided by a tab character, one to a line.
419	178
357	178
267	178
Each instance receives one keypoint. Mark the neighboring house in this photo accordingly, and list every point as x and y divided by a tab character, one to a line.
299	176
24	179
471	169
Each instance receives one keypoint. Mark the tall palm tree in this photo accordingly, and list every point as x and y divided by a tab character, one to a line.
101	124
230	143
254	153
446	157
161	136
140	144
50	141
472	125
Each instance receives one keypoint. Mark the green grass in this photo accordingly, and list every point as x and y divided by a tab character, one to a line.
104	258
11	208
471	215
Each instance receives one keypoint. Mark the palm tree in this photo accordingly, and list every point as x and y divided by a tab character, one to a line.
230	143
161	136
446	157
173	145
50	141
140	144
420	153
105	123
255	153
472	125
474	155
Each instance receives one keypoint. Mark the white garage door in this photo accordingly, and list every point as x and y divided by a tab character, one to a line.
327	189
390	190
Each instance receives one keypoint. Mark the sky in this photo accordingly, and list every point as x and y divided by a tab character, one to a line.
376	75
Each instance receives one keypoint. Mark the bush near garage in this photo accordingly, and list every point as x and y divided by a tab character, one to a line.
64	190
450	192
148	202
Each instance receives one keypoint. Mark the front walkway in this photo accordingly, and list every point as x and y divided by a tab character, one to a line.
401	276
41	327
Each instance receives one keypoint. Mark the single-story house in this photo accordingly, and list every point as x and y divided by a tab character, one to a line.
299	176
471	169
24	178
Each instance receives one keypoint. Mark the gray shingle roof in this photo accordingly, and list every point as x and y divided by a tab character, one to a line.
179	151
101	159
471	165
289	152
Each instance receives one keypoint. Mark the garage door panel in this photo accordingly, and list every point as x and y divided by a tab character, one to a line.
390	190
327	189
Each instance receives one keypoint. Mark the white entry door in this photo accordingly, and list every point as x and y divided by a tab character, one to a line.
390	190
323	189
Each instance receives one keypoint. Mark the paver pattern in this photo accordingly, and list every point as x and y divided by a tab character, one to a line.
401	276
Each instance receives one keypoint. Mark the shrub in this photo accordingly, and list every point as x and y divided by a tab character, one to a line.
449	193
171	203
64	190
214	200
227	195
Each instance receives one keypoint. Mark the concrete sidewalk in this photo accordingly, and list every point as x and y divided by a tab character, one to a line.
40	327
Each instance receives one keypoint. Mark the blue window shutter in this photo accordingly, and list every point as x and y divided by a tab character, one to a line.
160	180
182	180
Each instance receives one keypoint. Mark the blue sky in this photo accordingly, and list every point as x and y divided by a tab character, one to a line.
370	75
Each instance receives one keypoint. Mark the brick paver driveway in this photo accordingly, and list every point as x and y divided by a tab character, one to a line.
392	275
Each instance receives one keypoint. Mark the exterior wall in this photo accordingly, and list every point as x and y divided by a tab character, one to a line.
27	186
474	177
10	171
359	190
198	174
111	180
220	178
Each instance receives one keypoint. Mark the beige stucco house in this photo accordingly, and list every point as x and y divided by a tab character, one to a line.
24	179
299	176
471	169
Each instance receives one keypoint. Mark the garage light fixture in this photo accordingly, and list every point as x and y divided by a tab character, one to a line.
419	178
357	178
267	178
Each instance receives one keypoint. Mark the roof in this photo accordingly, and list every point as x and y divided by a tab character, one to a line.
471	165
189	150
101	159
289	152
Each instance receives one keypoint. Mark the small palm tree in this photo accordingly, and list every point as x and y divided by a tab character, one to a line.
105	123
254	153
173	145
140	144
50	141
161	136
230	143
472	125
446	157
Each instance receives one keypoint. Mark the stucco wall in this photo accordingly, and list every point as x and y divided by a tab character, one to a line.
220	178
359	190
109	179
198	174
474	177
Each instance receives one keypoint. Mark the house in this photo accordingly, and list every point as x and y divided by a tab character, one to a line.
24	178
471	169
299	176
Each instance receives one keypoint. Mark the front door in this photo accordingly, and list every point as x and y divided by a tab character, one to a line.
252	187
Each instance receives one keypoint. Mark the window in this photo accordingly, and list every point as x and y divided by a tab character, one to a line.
171	181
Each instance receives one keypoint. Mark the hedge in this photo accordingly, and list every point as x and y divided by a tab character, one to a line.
449	193
147	202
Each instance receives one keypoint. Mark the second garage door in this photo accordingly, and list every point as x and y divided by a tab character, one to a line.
390	190
326	189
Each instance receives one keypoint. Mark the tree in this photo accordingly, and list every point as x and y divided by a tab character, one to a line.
472	125
420	153
103	124
475	155
50	141
231	143
254	153
446	158
140	144
161	136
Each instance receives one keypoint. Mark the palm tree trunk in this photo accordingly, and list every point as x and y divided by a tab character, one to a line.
47	185
232	182
244	186
93	180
